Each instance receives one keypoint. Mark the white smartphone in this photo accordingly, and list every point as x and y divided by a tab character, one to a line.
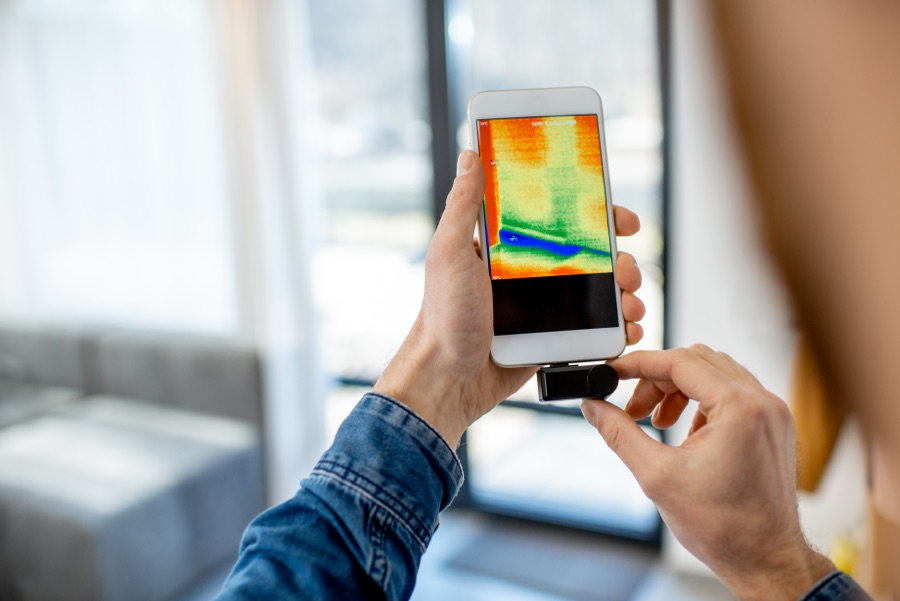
546	229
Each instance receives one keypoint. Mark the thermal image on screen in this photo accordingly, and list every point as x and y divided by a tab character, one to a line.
545	200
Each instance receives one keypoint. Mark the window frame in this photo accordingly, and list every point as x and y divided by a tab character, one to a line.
445	111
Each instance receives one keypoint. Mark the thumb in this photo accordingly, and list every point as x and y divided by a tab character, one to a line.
640	453
464	201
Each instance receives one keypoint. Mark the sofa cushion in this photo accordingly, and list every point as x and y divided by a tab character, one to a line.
42	354
192	372
107	499
20	401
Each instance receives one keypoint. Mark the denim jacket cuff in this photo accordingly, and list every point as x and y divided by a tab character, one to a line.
834	586
389	455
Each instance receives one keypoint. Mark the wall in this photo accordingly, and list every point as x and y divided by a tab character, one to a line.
722	289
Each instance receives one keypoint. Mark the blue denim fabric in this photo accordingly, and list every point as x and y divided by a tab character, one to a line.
360	522
837	586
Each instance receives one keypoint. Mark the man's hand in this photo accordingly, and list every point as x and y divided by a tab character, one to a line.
443	370
728	493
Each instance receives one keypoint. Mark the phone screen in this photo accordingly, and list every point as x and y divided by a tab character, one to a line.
546	225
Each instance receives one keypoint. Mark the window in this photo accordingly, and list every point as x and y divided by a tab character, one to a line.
537	460
375	73
371	65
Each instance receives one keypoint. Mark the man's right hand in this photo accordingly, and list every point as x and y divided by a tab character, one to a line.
728	493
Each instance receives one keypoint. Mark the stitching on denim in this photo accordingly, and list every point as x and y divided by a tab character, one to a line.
379	564
419	418
411	515
373	499
342	467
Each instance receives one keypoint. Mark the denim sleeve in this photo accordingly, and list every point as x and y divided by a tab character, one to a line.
836	586
360	522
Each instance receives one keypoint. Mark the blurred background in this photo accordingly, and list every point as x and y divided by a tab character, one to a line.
213	222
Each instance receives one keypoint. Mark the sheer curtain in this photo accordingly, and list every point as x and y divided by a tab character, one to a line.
269	79
113	165
156	171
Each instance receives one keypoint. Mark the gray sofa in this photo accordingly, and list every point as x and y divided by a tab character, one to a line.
130	462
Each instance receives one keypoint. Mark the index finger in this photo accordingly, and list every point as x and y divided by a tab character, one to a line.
627	221
463	202
683	368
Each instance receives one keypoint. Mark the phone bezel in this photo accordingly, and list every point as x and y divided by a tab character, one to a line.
544	348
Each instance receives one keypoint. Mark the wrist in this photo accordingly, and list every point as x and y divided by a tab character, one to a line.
418	378
788	576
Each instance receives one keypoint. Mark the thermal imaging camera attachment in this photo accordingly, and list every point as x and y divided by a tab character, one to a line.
563	381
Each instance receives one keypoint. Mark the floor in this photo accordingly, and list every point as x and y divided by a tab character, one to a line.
441	580
559	565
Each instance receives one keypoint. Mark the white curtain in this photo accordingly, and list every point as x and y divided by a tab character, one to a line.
112	165
157	170
269	80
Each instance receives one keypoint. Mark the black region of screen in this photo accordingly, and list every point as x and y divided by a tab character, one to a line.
554	304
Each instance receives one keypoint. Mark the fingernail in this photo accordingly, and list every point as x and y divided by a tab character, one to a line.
465	162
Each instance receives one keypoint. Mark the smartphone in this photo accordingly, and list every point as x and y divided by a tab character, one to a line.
546	230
